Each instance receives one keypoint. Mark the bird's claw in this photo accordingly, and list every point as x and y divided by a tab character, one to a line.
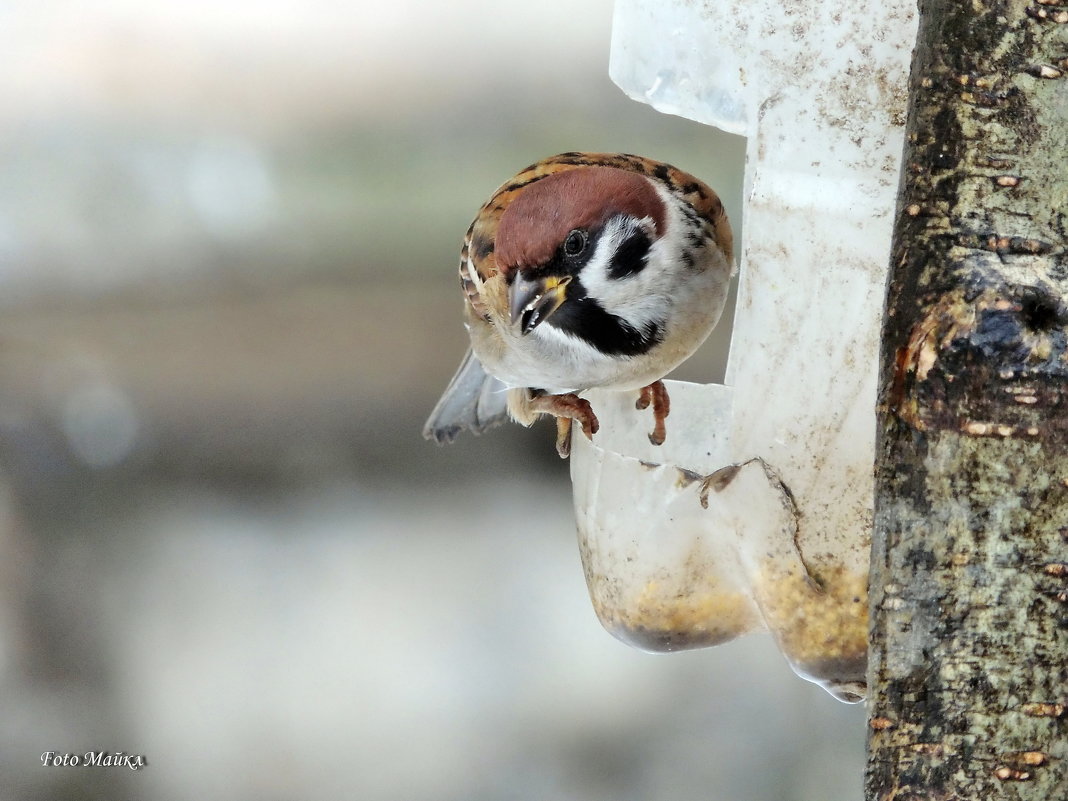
563	436
656	395
567	408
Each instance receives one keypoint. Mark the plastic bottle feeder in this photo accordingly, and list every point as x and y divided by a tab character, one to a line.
756	512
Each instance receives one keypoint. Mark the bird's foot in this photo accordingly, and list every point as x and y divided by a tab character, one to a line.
566	409
656	394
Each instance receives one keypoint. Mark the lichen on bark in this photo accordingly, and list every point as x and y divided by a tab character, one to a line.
968	672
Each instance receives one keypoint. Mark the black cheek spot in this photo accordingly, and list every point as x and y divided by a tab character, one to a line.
631	256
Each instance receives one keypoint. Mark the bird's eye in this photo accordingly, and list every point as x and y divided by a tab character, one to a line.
575	242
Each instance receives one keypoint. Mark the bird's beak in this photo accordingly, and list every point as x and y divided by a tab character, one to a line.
531	302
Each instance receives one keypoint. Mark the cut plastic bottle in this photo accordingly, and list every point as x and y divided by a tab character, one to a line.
756	512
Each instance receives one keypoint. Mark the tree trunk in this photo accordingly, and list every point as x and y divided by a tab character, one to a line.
969	578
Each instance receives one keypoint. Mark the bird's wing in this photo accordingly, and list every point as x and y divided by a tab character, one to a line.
474	400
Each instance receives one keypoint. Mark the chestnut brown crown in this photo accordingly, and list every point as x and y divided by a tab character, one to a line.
535	224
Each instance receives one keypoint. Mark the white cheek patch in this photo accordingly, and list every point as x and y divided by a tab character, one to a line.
649	295
640	298
616	231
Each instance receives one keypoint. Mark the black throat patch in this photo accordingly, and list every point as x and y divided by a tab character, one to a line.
585	318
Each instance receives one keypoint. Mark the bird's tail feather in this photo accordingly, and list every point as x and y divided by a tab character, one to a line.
474	400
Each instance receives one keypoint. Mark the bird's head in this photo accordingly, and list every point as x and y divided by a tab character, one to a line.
581	253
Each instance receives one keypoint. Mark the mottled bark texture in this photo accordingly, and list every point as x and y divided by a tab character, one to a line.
969	585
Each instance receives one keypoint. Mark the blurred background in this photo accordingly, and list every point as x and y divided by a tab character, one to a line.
229	233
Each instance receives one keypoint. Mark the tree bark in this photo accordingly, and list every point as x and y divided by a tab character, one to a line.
968	673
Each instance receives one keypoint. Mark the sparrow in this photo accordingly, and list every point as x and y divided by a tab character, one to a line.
585	270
